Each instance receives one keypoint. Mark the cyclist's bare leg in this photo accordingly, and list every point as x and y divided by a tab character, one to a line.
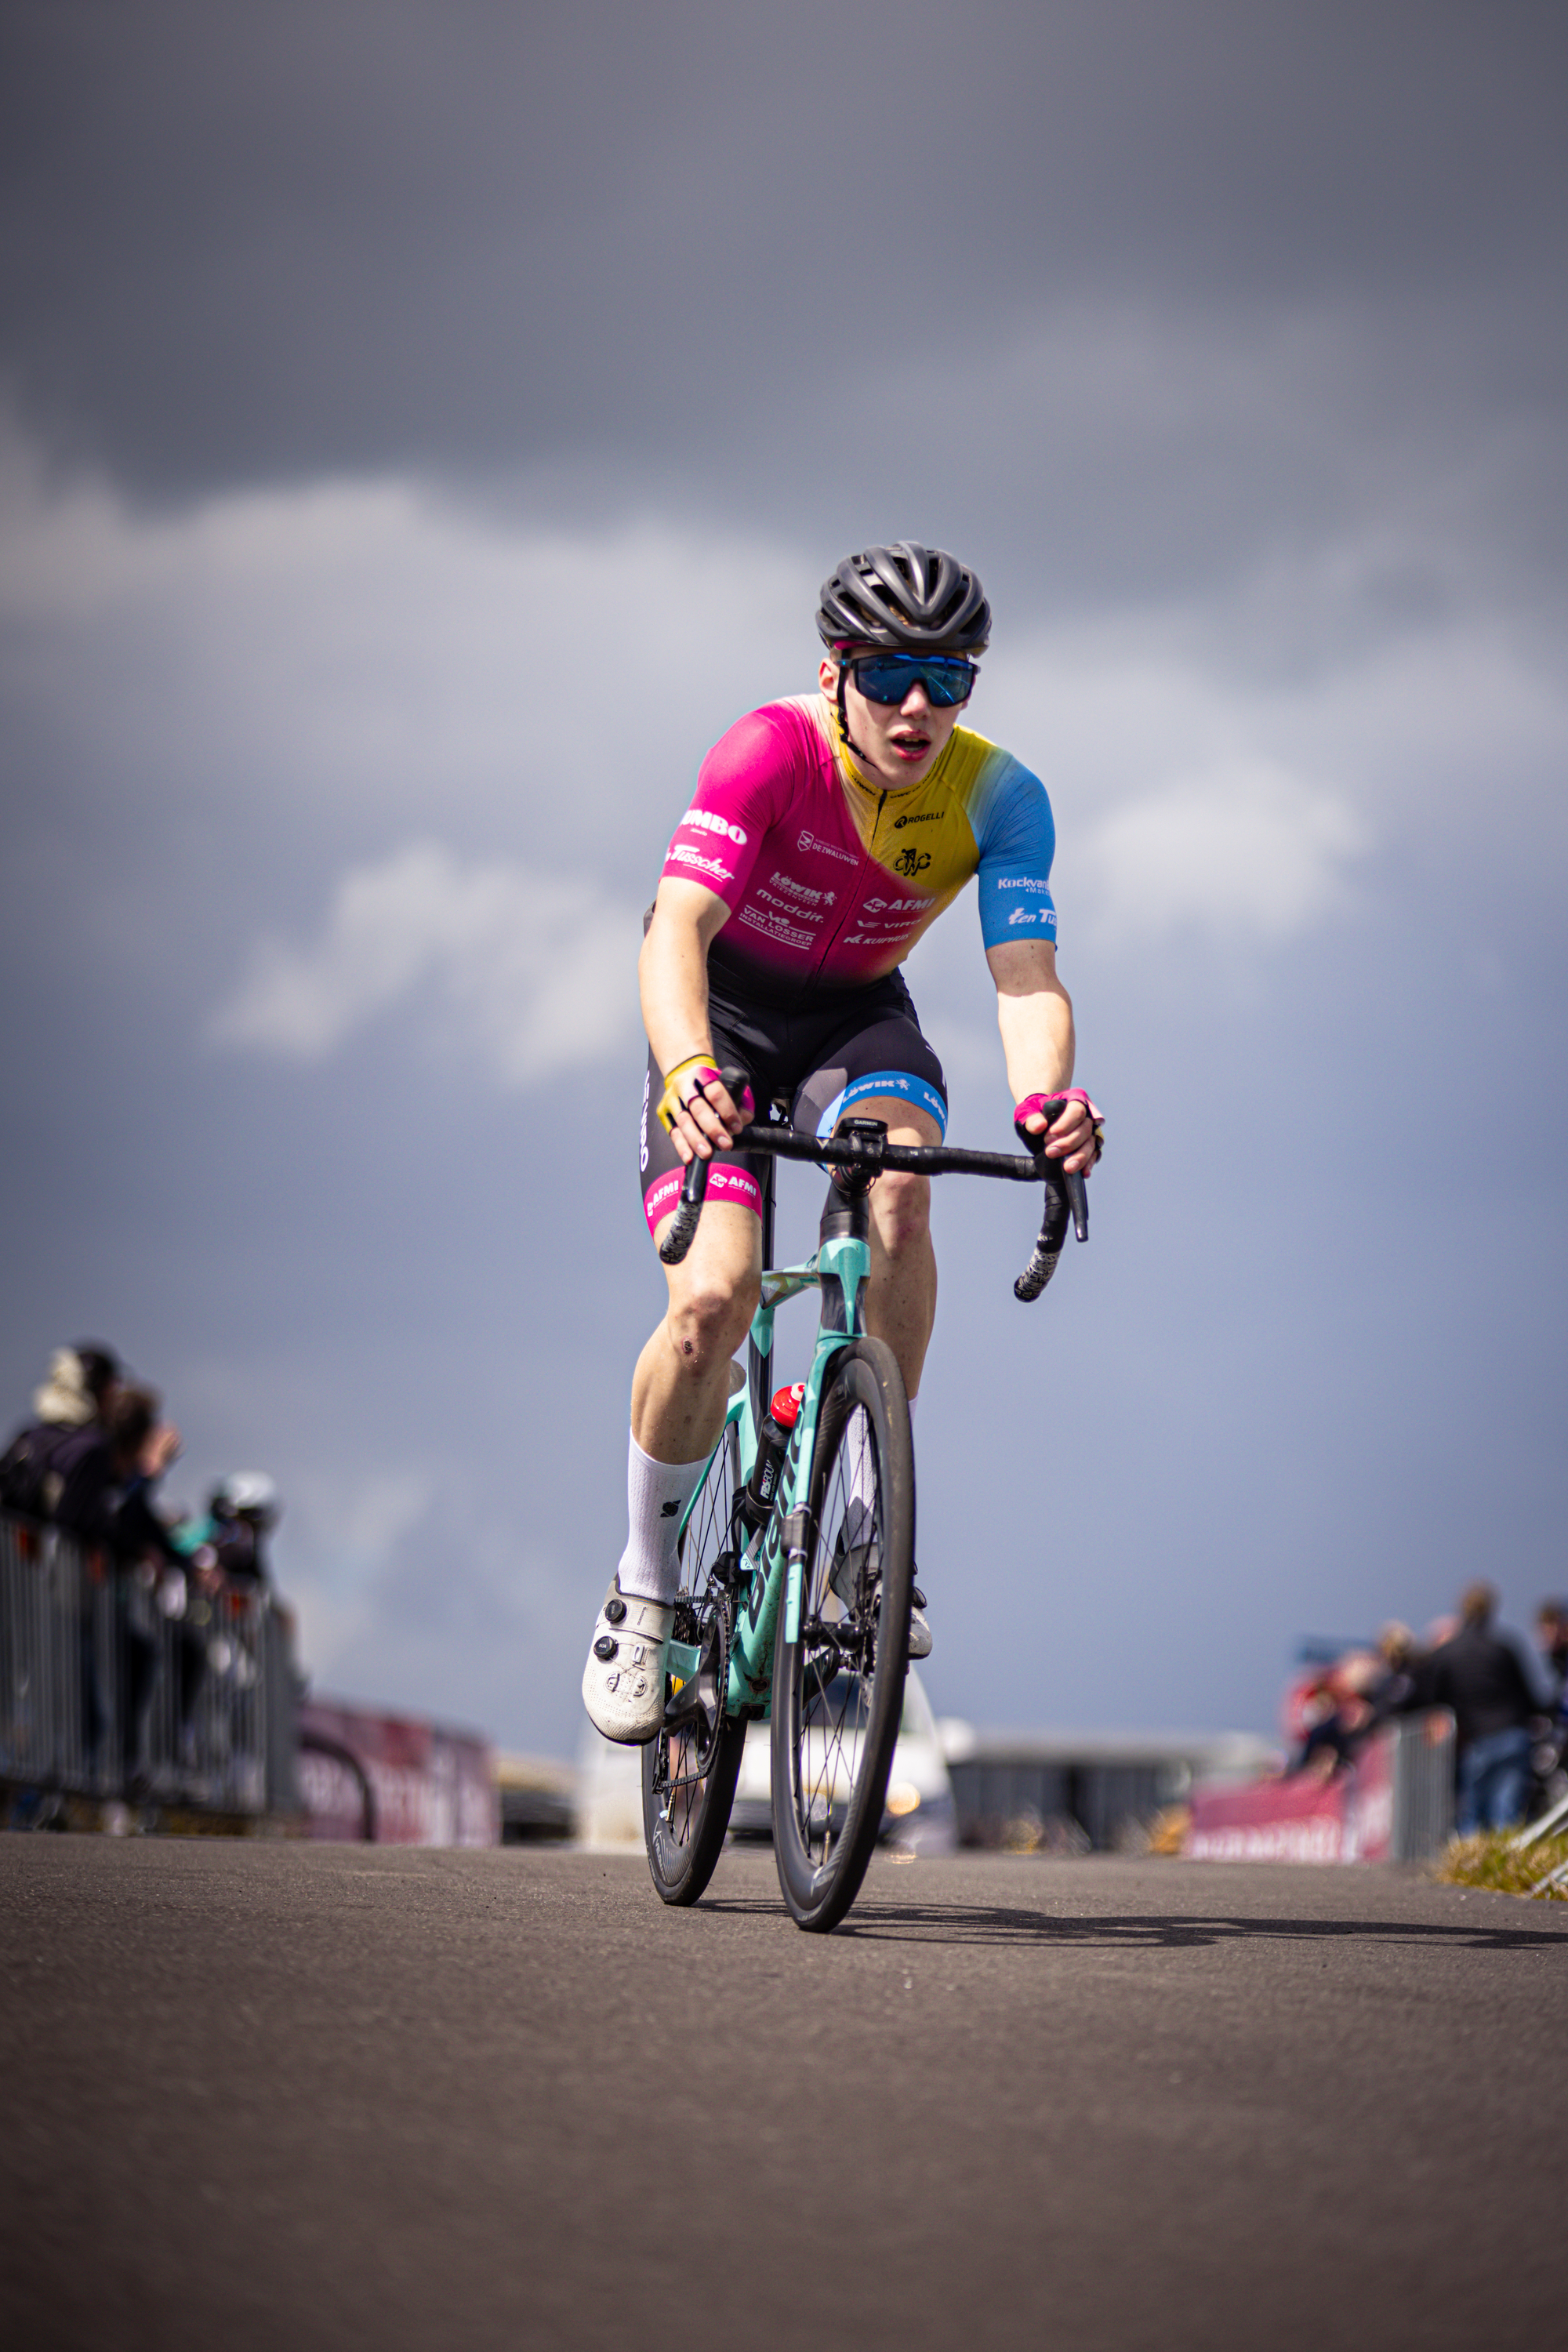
681	1384
900	1298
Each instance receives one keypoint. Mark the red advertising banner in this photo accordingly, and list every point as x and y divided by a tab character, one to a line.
395	1779
1303	1819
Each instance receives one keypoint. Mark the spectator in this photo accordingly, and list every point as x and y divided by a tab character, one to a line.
106	1506
243	1513
1479	1676
1335	1710
71	1412
105	1498
1551	1633
1403	1675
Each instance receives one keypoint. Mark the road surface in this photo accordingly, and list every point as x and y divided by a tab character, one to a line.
279	2096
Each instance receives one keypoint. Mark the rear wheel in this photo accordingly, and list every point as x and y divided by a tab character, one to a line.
690	1770
838	1688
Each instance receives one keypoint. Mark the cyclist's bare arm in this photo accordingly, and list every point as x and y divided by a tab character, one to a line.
1034	1012
672	972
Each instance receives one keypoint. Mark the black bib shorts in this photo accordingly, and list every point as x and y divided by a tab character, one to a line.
818	1059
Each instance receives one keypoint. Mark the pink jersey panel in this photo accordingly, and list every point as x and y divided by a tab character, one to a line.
770	832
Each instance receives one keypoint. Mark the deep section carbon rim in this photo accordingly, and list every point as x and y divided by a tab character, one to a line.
689	1771
838	1689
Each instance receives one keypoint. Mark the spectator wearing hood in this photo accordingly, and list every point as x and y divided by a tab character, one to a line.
70	1413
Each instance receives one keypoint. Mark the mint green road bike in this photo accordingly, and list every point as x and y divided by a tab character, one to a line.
798	1607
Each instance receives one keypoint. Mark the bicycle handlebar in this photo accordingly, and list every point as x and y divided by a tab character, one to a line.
1067	1196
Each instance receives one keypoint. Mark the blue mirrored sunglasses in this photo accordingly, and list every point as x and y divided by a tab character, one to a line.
887	677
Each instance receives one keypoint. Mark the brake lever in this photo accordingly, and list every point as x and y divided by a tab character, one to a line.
1066	1201
694	1184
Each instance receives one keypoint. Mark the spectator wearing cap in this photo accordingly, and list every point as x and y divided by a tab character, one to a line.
1480	1676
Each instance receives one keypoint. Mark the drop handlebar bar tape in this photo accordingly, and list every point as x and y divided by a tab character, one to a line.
694	1183
1067	1196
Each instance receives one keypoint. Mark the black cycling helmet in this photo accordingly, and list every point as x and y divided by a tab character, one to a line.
906	597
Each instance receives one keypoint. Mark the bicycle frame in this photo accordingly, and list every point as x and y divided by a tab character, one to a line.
838	1268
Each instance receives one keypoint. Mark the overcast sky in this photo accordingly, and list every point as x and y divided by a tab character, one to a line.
423	430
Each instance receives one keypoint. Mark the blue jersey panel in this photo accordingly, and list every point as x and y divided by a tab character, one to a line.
1017	837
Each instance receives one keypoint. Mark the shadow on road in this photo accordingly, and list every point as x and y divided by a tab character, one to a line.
958	1923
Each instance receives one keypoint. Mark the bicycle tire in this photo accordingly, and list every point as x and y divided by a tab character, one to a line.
689	1776
838	1688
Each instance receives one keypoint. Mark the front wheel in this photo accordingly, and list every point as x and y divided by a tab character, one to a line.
689	1772
838	1688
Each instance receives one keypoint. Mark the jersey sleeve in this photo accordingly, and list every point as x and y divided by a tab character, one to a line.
1017	837
747	778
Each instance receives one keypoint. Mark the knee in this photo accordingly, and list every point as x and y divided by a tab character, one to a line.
901	1211
710	1318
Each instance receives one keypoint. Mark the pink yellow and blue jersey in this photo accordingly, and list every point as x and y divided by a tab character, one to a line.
830	879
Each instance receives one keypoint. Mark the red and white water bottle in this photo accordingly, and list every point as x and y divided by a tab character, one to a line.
773	1444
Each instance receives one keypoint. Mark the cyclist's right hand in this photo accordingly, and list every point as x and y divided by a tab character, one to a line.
697	1111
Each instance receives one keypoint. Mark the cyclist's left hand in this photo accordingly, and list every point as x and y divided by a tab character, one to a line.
1077	1129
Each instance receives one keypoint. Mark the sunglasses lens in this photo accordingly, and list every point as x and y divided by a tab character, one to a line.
887	677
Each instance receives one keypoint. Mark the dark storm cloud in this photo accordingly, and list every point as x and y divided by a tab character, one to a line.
244	242
1230	341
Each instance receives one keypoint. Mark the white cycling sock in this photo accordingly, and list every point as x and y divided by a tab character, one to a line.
657	1495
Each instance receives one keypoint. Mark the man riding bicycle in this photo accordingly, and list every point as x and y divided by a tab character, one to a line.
825	836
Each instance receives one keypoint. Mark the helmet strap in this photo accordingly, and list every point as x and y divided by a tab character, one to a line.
849	743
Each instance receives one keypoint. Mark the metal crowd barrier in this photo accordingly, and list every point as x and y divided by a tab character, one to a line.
1423	1785
119	1682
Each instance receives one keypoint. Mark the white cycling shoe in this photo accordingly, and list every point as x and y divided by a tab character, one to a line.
623	1682
845	1577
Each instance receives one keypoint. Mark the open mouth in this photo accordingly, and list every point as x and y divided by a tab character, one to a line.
911	747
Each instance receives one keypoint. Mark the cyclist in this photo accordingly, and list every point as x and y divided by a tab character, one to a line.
824	834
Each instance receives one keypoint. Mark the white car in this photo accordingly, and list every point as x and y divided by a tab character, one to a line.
919	1816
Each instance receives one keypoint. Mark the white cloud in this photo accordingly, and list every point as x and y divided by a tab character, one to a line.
1246	852
383	656
533	971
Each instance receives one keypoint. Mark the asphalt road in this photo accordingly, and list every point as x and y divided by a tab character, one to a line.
280	2096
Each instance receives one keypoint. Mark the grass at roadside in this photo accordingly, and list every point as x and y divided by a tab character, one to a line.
1490	1861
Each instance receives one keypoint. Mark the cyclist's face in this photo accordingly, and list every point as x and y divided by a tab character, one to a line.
902	741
